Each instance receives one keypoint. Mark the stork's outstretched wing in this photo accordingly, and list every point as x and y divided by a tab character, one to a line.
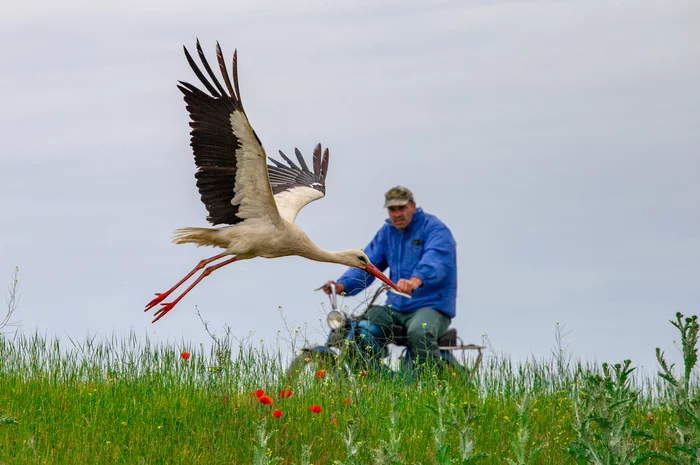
295	187
231	173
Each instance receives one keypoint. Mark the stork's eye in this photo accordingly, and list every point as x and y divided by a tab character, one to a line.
362	259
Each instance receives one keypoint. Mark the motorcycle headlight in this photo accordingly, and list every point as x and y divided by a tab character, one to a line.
335	319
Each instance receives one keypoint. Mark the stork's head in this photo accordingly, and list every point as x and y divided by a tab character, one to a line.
358	259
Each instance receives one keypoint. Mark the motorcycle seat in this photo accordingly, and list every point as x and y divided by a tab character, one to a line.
399	337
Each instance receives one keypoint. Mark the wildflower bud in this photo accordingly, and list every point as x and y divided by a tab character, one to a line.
650	416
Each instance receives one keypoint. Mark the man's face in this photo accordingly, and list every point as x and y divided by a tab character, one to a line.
401	217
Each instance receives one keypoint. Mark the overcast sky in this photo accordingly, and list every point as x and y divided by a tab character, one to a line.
557	139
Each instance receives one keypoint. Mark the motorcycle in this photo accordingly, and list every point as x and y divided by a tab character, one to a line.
357	346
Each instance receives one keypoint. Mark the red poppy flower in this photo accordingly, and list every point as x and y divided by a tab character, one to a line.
320	374
185	355
265	399
277	413
258	392
315	408
286	393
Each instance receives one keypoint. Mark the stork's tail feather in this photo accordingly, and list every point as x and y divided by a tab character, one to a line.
199	236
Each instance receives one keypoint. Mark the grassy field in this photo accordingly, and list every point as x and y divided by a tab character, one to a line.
129	401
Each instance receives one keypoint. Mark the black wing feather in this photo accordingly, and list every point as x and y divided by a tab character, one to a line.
278	164
291	163
324	167
222	68
199	74
300	157
235	80
317	160
222	92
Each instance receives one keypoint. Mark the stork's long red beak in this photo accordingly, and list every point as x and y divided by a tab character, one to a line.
374	271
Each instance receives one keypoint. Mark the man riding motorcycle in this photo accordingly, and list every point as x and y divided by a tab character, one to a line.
420	252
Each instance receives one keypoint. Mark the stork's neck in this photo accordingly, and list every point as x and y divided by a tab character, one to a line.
313	252
318	254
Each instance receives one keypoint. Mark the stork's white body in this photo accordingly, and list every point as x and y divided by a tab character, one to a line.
258	237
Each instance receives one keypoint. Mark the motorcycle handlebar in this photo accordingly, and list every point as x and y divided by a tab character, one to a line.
333	295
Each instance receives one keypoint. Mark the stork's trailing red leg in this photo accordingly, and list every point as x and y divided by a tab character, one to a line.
166	307
162	296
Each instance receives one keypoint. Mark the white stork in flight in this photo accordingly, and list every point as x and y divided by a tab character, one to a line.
258	203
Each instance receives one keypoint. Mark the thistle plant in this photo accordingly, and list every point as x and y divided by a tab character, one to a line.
460	420
262	455
351	446
305	455
388	451
602	410
684	398
5	420
520	437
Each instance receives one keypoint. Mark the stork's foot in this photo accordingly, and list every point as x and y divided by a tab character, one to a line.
159	298
165	308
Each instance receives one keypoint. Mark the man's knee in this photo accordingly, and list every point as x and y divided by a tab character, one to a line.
421	334
375	311
424	329
380	316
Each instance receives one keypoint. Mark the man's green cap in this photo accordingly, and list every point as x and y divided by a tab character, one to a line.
397	197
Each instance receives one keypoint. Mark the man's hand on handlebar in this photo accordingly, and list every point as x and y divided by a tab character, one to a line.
409	285
339	287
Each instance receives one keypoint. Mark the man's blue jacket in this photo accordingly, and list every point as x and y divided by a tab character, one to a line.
425	249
